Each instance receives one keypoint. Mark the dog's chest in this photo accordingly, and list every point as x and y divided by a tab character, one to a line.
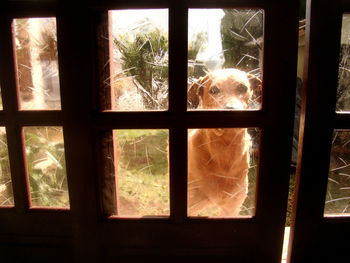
219	155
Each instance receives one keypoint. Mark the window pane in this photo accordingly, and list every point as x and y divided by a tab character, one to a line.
1	108
225	52
6	194
46	166
139	68
222	171
140	172
338	189
37	63
343	94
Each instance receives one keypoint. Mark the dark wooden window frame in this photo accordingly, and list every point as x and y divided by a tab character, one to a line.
315	237
84	230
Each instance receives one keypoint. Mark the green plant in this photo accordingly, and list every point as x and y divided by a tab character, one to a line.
46	166
6	194
242	35
145	57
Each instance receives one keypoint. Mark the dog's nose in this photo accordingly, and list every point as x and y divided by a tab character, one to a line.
230	107
234	104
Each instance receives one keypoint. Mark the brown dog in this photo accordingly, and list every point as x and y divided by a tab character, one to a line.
218	159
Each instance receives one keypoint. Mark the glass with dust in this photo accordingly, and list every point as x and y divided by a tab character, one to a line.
46	166
141	172
225	54
222	172
338	188
37	63
343	91
138	60
6	192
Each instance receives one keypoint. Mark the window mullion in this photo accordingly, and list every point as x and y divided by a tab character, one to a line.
10	103
73	27
178	21
8	75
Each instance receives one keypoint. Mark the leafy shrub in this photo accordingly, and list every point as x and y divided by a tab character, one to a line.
46	166
146	59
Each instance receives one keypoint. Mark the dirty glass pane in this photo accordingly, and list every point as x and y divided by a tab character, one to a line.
138	78
338	189
46	166
225	50
139	172
1	108
222	171
6	194
37	63
343	93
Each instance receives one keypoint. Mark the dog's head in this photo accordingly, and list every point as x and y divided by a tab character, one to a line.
225	89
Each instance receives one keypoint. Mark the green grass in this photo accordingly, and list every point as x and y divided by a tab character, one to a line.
6	194
148	193
143	171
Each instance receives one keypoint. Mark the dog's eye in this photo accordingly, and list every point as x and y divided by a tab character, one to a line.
241	88
214	90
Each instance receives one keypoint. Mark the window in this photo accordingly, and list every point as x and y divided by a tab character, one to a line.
33	174
37	63
97	127
323	160
138	81
137	161
38	89
45	161
0	101
342	90
337	199
138	76
6	192
223	46
125	57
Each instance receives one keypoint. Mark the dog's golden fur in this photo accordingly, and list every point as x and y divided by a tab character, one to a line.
218	158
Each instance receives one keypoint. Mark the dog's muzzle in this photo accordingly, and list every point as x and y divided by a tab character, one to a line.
227	107
234	104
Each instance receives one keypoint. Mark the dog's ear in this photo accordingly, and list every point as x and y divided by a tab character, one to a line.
192	96
195	92
256	87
